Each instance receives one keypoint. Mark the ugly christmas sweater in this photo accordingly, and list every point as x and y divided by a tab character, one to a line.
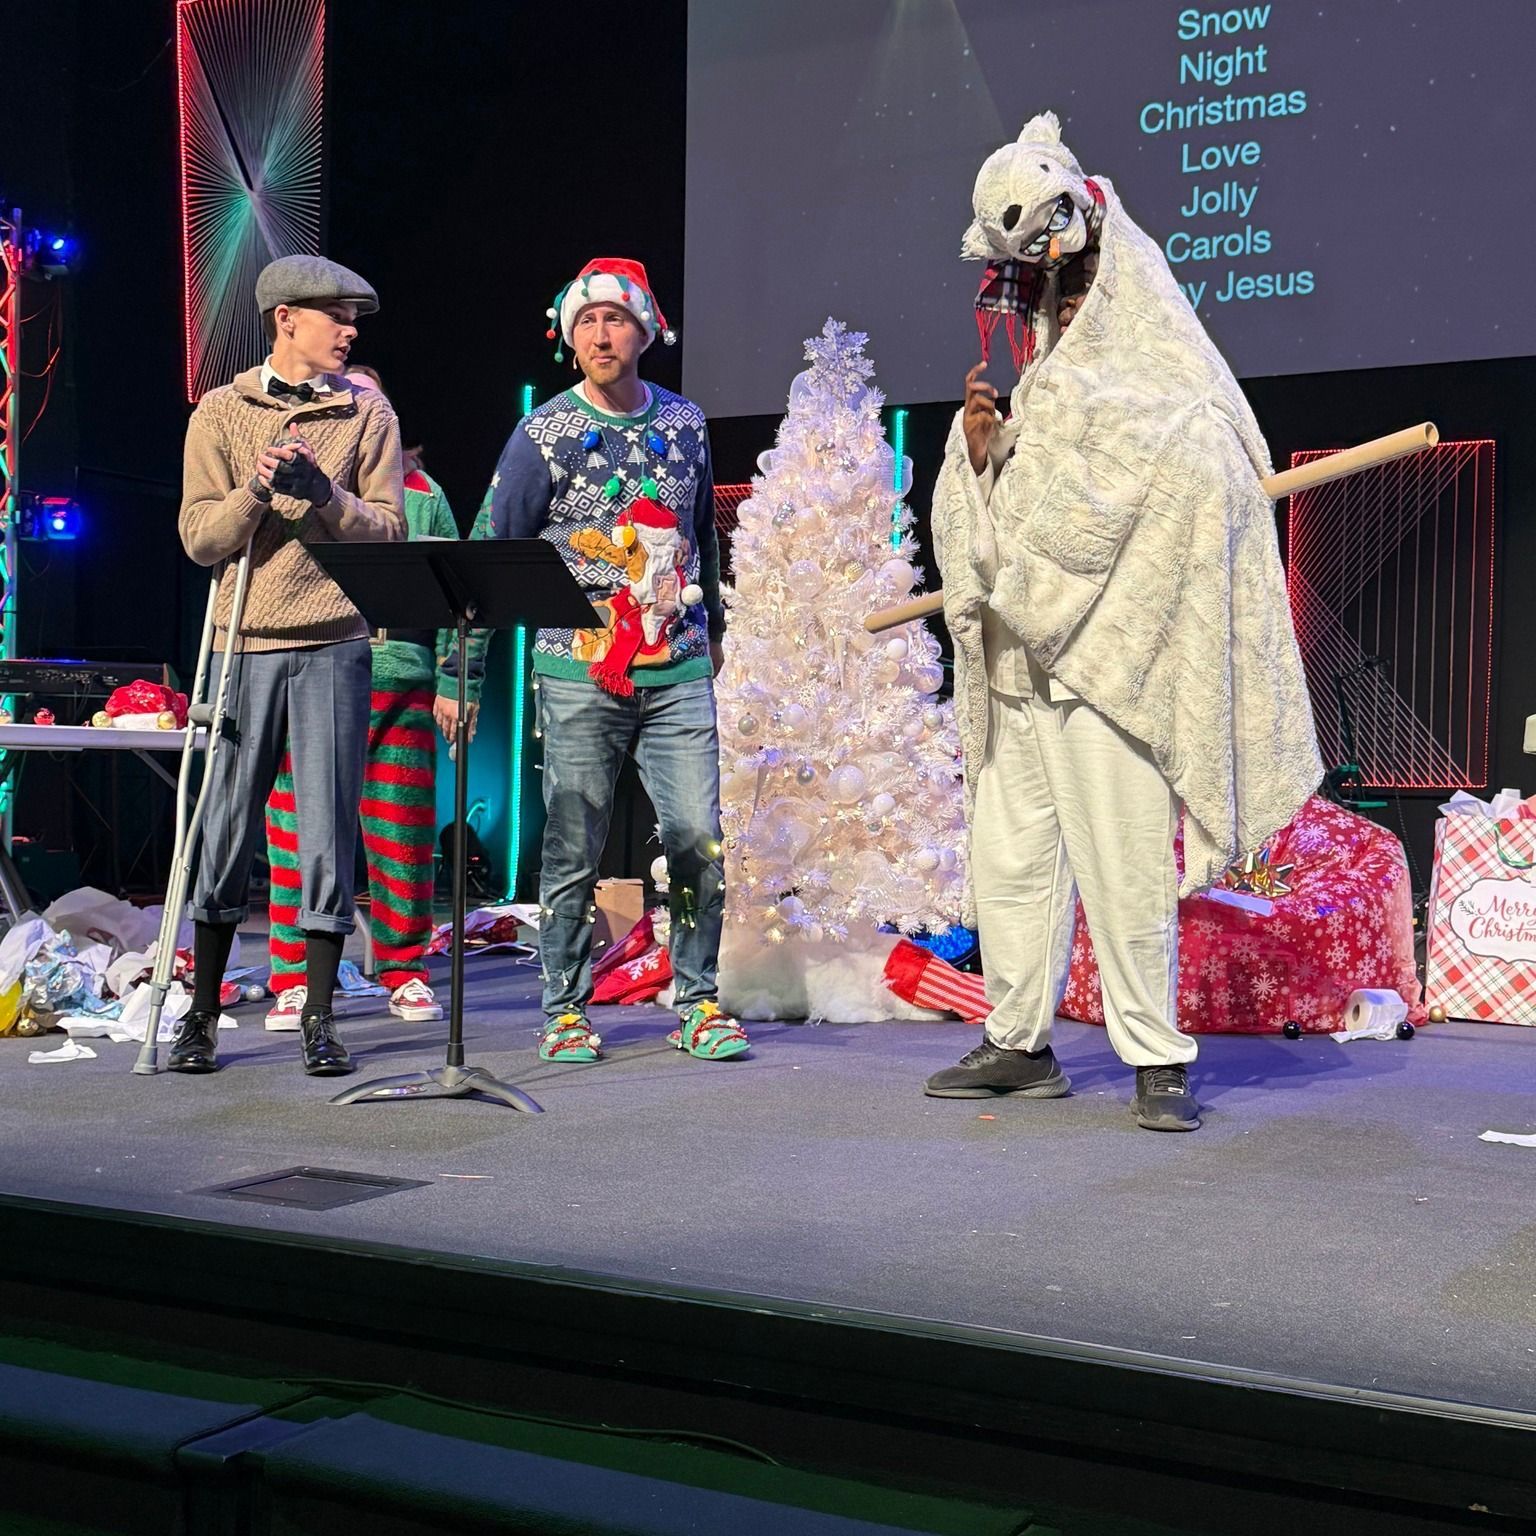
566	474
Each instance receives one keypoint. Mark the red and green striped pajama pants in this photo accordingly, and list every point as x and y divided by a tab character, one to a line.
398	819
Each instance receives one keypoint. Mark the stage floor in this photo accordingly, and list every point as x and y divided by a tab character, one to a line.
1337	1220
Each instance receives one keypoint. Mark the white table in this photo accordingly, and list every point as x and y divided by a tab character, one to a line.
89	738
78	738
1530	733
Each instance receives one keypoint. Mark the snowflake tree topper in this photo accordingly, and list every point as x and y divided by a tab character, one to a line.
838	363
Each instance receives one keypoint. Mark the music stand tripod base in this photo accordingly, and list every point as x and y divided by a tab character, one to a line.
441	1083
497	584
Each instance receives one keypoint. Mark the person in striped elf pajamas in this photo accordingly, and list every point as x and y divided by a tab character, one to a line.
399	800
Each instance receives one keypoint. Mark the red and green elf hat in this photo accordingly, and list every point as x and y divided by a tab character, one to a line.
609	280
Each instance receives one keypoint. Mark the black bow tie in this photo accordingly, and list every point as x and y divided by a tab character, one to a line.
280	389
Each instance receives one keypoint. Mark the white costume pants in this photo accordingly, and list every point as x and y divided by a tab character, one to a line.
1066	805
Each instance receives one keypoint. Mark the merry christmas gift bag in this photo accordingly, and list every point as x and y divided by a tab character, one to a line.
1482	917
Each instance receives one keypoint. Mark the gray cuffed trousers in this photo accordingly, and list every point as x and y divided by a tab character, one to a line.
315	702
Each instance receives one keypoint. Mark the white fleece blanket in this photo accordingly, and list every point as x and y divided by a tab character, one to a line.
1137	554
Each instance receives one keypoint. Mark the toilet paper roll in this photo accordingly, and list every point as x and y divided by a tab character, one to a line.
1372	1013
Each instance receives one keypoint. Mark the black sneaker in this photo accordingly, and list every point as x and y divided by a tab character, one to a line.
1165	1101
194	1046
324	1054
991	1069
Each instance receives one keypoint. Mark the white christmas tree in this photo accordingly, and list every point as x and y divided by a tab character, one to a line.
840	781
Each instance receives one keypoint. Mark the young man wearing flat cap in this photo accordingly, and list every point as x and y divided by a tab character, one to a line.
286	455
615	473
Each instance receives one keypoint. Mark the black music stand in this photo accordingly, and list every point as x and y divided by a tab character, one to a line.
435	584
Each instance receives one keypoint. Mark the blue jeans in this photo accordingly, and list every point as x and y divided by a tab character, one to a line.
670	729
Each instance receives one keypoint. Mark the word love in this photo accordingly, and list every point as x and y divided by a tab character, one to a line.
1218	157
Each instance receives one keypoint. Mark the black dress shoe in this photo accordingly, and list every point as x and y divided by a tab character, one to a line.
194	1046
324	1054
991	1069
1164	1100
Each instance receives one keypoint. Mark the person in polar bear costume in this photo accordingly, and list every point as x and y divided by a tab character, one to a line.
1123	646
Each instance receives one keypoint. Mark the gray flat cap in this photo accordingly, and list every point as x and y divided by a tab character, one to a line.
312	280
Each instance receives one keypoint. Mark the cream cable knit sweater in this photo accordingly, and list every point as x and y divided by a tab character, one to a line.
291	603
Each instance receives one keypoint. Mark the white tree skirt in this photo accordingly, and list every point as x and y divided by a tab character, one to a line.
842	983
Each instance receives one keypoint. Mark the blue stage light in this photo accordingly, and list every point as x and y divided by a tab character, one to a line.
60	517
51	256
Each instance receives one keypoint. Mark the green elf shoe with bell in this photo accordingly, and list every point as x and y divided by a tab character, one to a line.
709	1034
569	1037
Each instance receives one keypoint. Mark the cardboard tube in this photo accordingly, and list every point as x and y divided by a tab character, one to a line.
1305	477
923	606
1350	461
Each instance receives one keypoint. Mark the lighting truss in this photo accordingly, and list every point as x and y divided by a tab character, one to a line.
12	259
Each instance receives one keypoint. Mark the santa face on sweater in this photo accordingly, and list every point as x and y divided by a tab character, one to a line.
660	581
649	547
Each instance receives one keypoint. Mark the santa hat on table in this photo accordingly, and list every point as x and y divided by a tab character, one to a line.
609	280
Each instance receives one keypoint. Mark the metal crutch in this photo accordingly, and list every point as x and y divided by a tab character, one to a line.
211	717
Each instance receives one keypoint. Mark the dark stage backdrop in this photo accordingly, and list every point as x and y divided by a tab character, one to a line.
475	162
478	152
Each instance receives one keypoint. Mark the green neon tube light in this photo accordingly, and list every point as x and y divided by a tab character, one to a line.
899	446
519	719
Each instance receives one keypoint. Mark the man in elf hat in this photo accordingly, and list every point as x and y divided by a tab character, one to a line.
615	473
